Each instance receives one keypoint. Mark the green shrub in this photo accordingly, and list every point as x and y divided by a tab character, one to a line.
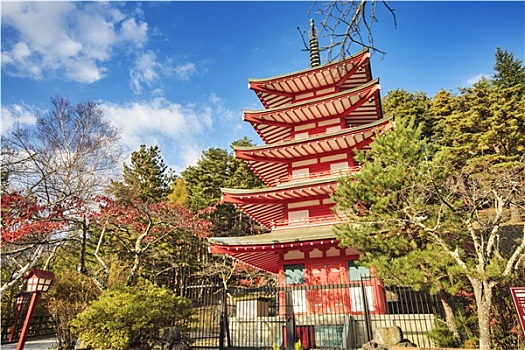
70	295
130	317
466	322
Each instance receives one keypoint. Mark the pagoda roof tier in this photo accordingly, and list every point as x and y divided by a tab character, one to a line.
262	251
321	80
271	162
266	205
358	106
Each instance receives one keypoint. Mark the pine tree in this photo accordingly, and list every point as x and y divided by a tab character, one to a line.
218	169
146	177
205	179
411	198
408	209
179	193
241	175
444	103
406	106
485	125
509	70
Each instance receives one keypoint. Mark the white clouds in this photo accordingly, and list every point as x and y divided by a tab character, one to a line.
177	129
148	68
472	80
133	31
145	71
189	154
83	70
181	131
184	71
80	42
20	51
14	116
70	40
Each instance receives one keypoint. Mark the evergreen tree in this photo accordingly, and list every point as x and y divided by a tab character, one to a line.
408	106
218	169
205	179
461	130
395	175
409	210
241	175
509	70
486	126
509	104
146	177
444	103
179	193
444	209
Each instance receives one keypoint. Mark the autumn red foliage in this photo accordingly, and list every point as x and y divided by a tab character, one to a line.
25	217
154	220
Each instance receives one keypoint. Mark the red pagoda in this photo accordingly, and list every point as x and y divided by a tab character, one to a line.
312	123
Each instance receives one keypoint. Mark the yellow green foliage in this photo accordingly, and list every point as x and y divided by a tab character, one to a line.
130	317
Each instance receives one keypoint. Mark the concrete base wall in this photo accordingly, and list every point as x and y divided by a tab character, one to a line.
333	331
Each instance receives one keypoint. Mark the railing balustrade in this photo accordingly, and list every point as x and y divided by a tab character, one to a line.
309	221
40	325
318	175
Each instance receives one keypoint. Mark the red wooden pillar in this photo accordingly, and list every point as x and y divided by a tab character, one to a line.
27	322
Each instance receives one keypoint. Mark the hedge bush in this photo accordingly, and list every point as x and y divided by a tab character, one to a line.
130	317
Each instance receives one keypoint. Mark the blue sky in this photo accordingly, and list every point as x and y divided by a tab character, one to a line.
175	74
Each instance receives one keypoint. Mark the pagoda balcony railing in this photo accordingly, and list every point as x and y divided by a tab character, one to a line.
314	134
318	175
308	222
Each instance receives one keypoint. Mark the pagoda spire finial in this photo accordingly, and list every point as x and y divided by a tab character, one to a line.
315	59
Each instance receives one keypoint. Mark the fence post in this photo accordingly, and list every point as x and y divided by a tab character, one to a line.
221	333
224	324
366	311
290	321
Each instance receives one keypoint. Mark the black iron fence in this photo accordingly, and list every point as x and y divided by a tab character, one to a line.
340	316
40	325
207	328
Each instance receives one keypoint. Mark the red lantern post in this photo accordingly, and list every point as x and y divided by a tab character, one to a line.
21	300
38	281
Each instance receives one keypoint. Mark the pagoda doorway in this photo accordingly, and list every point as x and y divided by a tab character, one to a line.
323	300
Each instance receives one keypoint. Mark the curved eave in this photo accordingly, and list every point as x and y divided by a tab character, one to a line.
276	194
267	260
289	237
284	89
262	251
270	162
276	124
266	205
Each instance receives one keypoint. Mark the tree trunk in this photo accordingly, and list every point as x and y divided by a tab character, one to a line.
514	213
82	267
134	269
23	270
449	317
483	294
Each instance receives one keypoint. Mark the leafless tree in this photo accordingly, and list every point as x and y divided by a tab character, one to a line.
72	151
68	156
346	24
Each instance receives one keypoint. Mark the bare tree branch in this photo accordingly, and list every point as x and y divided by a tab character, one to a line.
345	24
